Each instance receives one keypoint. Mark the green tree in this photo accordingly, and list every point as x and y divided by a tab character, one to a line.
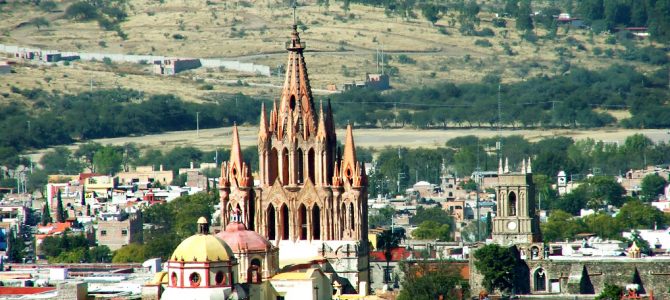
524	22
603	225
86	152
639	242
431	230
659	21
431	12
61	214
637	215
382	218
108	159
561	225
430	280
435	214
511	7
496	264
40	22
17	247
601	191
387	241
100	254
346	6
130	253
48	5
59	161
610	292
46	214
652	186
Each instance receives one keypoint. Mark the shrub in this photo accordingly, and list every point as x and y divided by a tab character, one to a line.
483	43
499	22
529	36
610	40
107	61
597	51
48	5
82	11
404	59
206	87
485	32
178	36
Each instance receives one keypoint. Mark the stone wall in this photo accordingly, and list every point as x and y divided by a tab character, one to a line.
588	275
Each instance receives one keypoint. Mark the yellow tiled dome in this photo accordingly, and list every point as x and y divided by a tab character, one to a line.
201	248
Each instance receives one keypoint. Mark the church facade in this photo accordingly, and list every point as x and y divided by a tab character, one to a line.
311	200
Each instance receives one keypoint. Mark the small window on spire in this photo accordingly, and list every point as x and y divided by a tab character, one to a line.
291	102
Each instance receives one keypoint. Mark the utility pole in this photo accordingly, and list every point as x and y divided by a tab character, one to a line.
477	180
197	124
499	143
382	58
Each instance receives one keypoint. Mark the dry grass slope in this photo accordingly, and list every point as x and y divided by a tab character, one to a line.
341	47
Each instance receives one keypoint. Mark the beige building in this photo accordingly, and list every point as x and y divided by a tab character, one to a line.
119	230
145	174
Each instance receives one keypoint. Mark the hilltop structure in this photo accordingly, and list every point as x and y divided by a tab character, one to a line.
312	199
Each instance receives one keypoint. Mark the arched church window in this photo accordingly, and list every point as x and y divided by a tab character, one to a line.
291	102
173	279
273	167
302	219
316	222
511	208
284	222
301	167
284	166
194	279
540	278
270	216
254	272
310	164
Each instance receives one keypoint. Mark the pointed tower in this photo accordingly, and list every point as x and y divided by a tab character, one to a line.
309	202
236	184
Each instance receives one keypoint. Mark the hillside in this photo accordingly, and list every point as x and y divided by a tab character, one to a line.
341	46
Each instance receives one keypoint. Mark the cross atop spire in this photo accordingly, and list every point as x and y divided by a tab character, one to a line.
295	6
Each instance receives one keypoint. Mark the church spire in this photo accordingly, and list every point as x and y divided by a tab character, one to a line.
238	172
296	97
321	133
350	166
236	159
263	130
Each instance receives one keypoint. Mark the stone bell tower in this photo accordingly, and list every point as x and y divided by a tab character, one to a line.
516	221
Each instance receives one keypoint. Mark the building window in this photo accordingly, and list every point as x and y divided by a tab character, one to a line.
174	279
194	279
103	232
124	232
219	278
